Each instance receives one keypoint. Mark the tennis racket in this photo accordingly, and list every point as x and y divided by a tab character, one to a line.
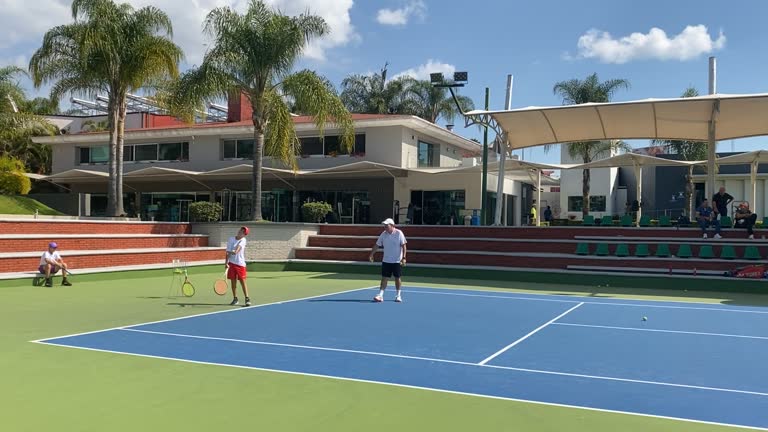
187	288
220	286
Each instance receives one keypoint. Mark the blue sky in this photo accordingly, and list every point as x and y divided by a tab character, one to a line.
537	42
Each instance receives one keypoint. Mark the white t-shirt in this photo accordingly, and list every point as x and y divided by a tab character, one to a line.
47	255
393	252
238	258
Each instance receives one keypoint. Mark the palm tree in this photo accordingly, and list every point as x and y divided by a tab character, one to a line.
430	103
18	125
688	150
577	91
373	94
110	48
253	55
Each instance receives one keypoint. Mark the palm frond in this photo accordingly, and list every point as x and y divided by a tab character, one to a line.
322	104
280	140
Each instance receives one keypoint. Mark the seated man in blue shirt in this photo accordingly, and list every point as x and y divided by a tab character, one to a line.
705	216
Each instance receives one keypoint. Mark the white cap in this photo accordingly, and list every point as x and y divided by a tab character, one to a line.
388	221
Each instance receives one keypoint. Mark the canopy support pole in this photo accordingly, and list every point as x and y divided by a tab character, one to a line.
639	191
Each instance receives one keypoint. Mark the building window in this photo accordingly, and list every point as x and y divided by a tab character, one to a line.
128	154
429	155
146	152
359	145
596	203
238	149
330	146
173	151
92	155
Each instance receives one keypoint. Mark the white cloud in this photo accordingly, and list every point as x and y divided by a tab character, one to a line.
655	45
422	72
400	17
24	22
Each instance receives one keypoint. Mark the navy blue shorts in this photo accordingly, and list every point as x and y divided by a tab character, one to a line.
391	269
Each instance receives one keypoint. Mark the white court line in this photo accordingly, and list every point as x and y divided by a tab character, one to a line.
413	387
662	331
490	296
437	360
585	300
503	350
207	313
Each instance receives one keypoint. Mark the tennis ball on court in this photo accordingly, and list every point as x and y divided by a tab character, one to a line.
645	318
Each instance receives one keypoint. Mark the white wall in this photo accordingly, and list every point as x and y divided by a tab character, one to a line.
603	182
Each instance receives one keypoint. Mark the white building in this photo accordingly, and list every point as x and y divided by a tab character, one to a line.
396	160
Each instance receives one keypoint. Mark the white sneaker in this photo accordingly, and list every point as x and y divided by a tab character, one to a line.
399	299
378	299
704	236
751	236
717	236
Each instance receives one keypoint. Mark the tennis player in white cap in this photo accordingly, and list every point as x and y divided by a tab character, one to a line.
392	240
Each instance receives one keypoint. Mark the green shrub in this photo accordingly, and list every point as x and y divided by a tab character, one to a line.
14	183
314	212
205	211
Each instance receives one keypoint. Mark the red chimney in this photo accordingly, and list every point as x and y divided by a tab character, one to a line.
238	110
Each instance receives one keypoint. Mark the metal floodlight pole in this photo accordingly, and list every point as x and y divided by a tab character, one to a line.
484	187
712	144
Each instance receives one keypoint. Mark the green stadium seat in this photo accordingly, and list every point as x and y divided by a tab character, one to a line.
602	249
606	221
728	252
752	253
622	250
589	220
665	221
582	249
662	250
706	251
684	251
645	221
765	222
642	250
726	222
626	221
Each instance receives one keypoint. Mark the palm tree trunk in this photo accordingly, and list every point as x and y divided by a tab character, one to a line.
113	114
585	191
258	153
122	109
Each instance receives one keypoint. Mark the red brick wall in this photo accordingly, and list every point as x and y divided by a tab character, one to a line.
518	261
92	261
29	245
514	232
65	227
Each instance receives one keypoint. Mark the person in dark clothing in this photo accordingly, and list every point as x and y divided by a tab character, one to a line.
548	214
720	202
745	219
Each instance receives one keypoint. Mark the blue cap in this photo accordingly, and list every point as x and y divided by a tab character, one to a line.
53	245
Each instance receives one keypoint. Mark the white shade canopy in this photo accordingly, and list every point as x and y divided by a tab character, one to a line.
635	159
736	116
757	156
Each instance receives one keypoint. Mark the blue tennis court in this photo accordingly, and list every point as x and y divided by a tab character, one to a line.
691	361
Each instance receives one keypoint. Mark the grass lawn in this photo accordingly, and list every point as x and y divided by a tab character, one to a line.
17	205
49	388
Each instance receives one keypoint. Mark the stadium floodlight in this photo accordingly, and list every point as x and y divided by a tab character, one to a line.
460	77
436	78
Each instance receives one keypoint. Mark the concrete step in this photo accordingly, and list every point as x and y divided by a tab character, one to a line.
29	261
521	259
66	242
519	232
52	226
563	246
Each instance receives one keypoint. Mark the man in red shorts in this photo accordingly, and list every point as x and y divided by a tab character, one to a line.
235	263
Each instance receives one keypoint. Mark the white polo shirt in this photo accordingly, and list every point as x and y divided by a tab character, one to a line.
238	258
391	243
47	255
